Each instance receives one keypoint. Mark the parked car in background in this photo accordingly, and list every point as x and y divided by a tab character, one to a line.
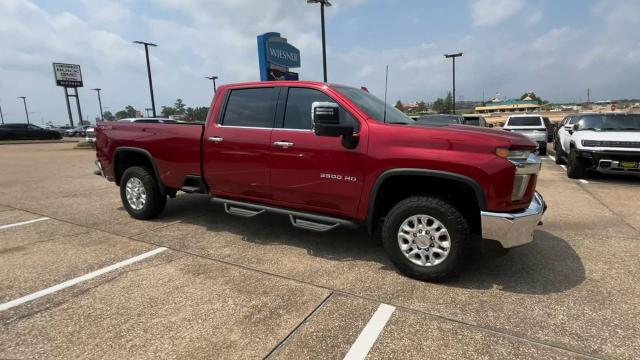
77	131
475	120
531	126
27	132
90	135
607	143
440	120
562	137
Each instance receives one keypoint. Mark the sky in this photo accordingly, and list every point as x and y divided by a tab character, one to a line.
556	48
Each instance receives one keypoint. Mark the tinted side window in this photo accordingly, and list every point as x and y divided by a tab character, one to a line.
298	110
251	107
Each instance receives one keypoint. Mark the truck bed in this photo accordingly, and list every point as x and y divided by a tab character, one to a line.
174	147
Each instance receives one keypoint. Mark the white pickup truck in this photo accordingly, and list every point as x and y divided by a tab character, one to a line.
531	126
608	143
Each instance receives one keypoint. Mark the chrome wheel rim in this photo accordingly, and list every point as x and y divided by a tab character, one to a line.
136	194
424	240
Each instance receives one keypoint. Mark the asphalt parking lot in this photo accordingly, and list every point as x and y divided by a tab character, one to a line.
198	283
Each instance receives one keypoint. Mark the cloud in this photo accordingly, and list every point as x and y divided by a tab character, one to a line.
554	39
494	12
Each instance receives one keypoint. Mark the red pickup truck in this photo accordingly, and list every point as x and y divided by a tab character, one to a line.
330	155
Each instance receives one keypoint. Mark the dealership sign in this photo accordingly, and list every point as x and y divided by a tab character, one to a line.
283	54
67	75
276	56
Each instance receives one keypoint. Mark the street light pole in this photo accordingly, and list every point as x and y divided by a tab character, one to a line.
99	103
24	101
1	116
453	57
212	78
322	3
146	52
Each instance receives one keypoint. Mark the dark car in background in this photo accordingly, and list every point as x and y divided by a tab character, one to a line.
475	120
440	120
27	132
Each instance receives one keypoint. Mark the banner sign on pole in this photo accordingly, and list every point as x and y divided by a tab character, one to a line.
67	75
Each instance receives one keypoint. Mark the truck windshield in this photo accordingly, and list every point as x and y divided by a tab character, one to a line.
610	122
525	121
373	106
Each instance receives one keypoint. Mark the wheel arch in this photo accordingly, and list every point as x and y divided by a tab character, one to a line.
125	157
377	207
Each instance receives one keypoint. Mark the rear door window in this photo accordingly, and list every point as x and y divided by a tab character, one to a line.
251	108
525	121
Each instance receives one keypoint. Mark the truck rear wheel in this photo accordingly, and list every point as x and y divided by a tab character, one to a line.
140	193
426	238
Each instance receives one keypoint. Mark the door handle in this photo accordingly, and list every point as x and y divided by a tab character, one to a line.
215	139
283	144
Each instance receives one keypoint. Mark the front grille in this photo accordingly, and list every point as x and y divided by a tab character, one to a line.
612	144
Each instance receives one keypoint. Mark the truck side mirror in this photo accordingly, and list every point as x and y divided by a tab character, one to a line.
326	120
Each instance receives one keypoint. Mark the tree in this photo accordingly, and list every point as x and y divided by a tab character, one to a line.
443	106
399	106
179	106
108	116
128	112
168	111
199	114
422	107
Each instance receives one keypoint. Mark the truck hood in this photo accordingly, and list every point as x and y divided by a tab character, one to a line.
495	137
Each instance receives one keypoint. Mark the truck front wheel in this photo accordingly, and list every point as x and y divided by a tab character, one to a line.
426	238
140	193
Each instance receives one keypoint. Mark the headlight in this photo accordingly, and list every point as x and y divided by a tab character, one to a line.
513	155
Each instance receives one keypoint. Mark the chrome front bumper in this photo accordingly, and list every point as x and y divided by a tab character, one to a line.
513	229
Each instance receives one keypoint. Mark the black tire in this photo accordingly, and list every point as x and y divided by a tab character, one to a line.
450	218
575	165
155	200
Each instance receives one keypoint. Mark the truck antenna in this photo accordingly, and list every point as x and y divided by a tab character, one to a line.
386	82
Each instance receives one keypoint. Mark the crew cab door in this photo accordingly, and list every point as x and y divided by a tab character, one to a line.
312	172
237	143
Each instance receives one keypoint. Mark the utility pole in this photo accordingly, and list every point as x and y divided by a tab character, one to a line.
453	57
24	101
322	3
1	116
99	103
147	110
146	52
588	96
212	78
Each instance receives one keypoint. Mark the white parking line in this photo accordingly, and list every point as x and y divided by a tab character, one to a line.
551	157
74	281
23	223
564	167
584	181
370	333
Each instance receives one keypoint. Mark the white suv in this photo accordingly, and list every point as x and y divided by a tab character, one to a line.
607	143
531	126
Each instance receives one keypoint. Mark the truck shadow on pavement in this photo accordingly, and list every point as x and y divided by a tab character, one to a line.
547	265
